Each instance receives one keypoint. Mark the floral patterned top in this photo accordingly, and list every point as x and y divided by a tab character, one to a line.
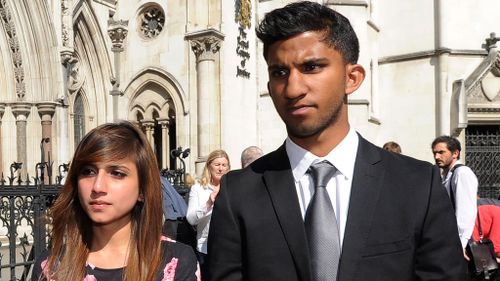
178	264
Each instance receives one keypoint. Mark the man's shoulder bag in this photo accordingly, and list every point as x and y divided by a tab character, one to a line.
482	255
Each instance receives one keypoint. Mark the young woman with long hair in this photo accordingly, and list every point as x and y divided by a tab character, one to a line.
107	220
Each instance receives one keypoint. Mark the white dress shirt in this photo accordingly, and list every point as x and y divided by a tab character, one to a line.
199	215
343	157
465	190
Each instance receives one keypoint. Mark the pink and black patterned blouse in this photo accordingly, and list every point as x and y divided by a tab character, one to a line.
178	264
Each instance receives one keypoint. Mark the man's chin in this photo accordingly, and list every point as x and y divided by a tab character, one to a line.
303	132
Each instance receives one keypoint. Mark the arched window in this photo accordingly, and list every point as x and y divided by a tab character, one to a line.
78	119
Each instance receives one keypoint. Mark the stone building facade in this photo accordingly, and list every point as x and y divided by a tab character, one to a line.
191	73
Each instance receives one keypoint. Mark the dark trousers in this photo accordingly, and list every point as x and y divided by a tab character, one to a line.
203	260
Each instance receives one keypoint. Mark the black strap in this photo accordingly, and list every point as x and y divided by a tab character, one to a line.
479	228
452	194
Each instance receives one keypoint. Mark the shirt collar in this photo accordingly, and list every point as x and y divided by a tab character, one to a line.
342	156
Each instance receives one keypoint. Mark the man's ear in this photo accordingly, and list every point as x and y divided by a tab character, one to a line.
456	154
355	74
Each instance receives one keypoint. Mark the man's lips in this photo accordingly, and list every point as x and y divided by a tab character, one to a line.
299	109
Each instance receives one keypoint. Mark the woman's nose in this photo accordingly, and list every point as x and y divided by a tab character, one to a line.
99	182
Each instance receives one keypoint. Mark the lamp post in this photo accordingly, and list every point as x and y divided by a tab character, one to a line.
42	159
63	168
13	168
180	154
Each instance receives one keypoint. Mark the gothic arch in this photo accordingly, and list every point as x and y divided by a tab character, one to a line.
94	64
7	83
156	97
42	74
162	79
89	110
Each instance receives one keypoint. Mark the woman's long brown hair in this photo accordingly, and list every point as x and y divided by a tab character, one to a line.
72	228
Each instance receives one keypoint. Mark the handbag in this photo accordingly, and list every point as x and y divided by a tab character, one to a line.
482	255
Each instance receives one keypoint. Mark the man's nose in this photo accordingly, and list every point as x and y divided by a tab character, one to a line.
296	85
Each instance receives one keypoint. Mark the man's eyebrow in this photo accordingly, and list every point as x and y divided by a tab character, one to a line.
275	66
315	60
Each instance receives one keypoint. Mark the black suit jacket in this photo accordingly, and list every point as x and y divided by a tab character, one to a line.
400	223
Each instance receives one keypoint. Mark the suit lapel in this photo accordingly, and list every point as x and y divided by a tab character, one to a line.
281	188
365	191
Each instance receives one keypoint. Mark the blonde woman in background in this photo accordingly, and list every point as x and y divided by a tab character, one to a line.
201	200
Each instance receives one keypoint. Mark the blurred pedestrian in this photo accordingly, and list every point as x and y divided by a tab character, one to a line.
392	147
249	155
201	200
460	183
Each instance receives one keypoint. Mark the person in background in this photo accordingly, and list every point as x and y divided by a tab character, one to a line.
328	205
460	182
107	220
250	154
201	200
174	209
489	213
189	180
392	147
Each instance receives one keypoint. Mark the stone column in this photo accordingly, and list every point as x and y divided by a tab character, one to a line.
149	125
117	31
165	144
21	111
2	111
46	111
205	45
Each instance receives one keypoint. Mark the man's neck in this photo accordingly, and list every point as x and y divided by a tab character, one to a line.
322	143
446	170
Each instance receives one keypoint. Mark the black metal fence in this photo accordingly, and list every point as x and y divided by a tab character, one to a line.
483	157
24	201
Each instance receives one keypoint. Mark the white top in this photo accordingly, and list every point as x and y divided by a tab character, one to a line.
342	157
465	190
199	215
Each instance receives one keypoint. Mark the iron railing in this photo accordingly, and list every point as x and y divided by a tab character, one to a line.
483	157
24	202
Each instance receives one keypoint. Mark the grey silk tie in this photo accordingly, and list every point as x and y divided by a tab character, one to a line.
321	226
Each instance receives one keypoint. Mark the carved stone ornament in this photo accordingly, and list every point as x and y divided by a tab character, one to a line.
205	44
65	7
117	32
75	79
151	21
491	86
65	35
244	13
17	62
205	48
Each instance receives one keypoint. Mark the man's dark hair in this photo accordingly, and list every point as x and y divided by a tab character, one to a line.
300	17
452	144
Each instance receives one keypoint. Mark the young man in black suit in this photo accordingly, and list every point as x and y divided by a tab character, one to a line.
393	219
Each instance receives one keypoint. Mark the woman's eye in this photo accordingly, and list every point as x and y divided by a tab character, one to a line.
118	174
87	171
